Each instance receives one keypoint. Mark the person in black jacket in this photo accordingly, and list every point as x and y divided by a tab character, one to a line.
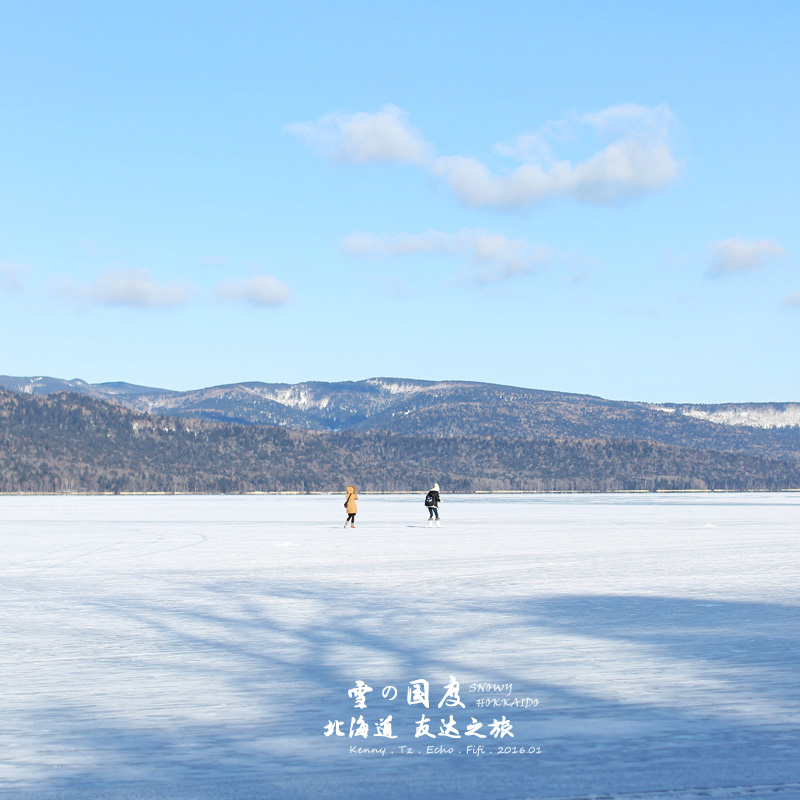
432	500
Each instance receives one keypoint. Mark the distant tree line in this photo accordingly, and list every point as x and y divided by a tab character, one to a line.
72	443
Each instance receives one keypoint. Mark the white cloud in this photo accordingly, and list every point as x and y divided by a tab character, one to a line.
639	160
495	256
135	288
632	157
533	147
11	276
362	138
261	290
735	256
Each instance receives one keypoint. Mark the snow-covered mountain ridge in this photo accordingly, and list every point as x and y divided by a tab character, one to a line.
753	415
454	409
363	399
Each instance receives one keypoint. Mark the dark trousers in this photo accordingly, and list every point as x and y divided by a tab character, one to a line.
433	510
351	518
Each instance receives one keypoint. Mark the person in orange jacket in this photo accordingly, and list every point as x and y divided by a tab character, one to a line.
350	505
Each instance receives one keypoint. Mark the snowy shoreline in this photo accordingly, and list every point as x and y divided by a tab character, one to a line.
406	492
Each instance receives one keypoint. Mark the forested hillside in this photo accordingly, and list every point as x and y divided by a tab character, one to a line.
68	442
456	409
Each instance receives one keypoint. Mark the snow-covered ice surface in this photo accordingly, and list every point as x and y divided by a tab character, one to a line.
197	647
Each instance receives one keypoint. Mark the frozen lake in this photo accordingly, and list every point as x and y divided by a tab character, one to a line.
199	647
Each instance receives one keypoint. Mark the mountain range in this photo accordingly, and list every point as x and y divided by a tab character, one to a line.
67	442
455	408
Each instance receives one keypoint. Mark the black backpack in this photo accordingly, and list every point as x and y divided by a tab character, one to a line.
430	498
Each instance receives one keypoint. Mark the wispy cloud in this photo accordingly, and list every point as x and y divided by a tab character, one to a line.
362	138
632	155
369	245
494	257
92	247
260	290
793	300
736	256
11	276
132	288
631	119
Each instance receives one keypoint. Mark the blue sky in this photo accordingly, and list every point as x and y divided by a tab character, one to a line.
597	197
